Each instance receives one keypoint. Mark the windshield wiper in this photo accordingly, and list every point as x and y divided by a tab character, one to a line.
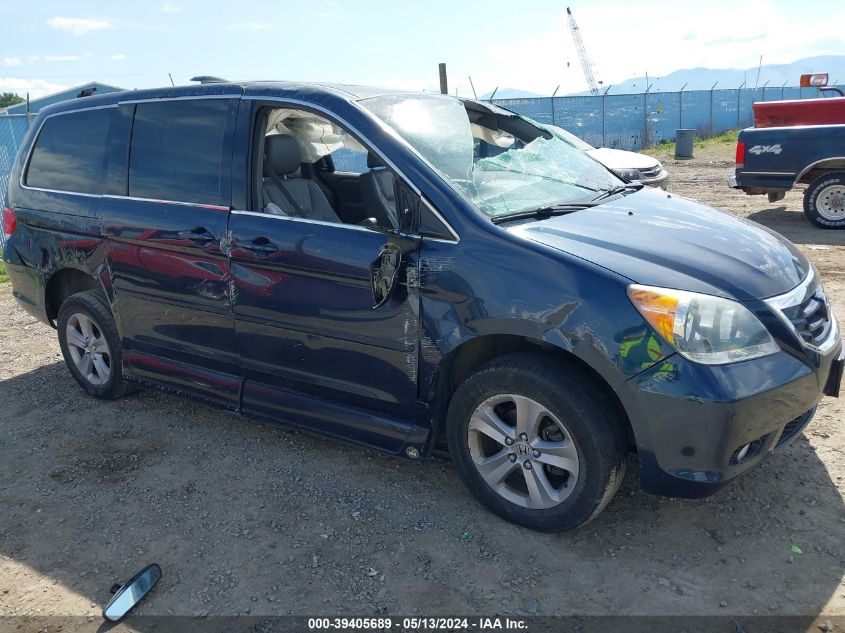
614	191
544	212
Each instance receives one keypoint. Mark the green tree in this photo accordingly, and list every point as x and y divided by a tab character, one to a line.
9	98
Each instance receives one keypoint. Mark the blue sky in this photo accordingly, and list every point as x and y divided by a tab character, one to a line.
47	45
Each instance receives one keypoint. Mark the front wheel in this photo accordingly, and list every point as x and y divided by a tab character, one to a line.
536	443
824	201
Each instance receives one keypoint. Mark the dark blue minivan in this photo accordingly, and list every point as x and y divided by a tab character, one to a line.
405	271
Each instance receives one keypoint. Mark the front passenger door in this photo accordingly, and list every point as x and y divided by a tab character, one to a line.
315	348
306	323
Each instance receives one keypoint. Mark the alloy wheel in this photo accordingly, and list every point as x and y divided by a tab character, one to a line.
523	451
88	348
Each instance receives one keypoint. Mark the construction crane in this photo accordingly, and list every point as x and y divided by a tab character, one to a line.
586	64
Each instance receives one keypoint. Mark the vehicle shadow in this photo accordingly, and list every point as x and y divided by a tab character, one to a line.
253	519
795	226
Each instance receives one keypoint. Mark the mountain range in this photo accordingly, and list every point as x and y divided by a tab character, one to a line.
704	78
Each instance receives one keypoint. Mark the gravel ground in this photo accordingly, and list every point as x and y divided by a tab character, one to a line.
250	518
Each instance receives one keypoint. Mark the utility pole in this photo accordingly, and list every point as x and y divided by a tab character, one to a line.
444	84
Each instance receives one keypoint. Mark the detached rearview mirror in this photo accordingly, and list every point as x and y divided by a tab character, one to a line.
127	596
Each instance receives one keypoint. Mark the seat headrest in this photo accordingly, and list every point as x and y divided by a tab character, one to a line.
374	161
282	152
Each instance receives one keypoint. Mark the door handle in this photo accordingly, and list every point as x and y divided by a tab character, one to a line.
260	245
198	234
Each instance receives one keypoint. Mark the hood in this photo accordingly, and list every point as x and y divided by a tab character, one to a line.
620	159
661	239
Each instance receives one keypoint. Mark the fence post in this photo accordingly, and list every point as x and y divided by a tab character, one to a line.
604	119
554	122
644	139
712	130
738	97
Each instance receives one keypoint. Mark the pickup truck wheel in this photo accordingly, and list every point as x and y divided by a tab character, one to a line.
824	201
91	345
534	444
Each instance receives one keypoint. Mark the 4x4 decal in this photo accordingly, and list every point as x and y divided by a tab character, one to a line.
766	149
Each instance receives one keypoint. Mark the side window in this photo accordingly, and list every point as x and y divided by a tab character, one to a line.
178	151
70	152
301	152
350	161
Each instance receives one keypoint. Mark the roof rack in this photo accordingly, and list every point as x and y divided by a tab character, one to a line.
209	79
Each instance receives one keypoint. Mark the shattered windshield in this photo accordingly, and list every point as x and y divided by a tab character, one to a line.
569	137
504	163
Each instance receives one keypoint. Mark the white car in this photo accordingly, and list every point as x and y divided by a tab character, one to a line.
627	165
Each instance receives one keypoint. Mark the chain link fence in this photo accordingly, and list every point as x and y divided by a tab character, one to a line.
636	121
12	130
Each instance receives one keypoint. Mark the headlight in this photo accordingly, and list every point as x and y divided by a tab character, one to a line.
703	328
627	174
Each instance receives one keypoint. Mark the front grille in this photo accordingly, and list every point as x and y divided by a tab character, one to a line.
806	310
811	318
651	172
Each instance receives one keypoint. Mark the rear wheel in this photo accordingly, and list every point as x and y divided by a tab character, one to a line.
536	443
824	201
90	344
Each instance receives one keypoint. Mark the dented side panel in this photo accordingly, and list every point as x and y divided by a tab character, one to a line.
492	286
45	244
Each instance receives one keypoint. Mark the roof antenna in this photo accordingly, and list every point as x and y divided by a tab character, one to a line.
171	79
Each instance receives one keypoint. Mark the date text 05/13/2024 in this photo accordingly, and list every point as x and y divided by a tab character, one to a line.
481	624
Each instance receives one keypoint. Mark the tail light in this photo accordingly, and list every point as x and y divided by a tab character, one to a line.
9	221
740	154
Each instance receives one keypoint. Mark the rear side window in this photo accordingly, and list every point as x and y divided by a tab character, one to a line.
70	152
177	151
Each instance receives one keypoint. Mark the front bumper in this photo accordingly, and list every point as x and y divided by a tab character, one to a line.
692	422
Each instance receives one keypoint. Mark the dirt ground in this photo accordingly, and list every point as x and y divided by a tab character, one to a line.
253	519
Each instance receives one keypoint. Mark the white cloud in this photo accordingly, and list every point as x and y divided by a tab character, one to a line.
169	7
254	26
11	61
331	10
35	87
79	26
62	58
118	57
32	59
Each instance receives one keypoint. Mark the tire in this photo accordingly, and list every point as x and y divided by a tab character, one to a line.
574	428
824	201
97	364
